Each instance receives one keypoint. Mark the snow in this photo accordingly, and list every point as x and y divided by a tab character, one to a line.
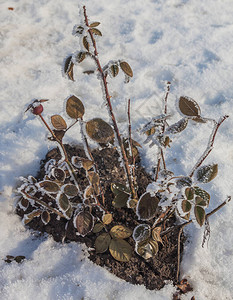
187	42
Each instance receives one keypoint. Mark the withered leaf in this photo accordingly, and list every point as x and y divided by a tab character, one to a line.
85	43
199	214
95	181
58	122
147	248
63	202
74	107
84	222
96	31
88	191
49	186
102	242
80	57
99	131
120	232
120	250
156	234
70	190
59	174
45	217
29	217
125	67
141	232
87	164
189	107
67	64
107	219
147	206
207	173
94	24
114	70
178	126
59	134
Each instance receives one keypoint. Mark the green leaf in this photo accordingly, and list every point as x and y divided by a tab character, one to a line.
102	242
84	222
117	188
199	214
203	194
99	131
186	206
58	122
74	108
120	250
147	206
49	186
70	190
189	193
120	232
200	201
120	200
189	107
141	232
125	67
98	227
207	173
63	202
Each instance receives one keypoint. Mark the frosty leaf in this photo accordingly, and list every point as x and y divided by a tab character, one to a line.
58	122
19	258
200	201
125	67
156	234
95	181
49	186
70	190
183	181
141	232
120	250
207	173
63	202
189	193
147	249
150	131
114	70
68	67
166	174
74	108
117	188
68	213
147	206
120	232
84	222
189	107
59	174
29	217
102	242
32	179
98	227
96	31
107	219
186	206
79	30
80	57
23	204
203	194
178	126
199	120
199	214
88	191
94	24
99	131
120	200
45	217
85	43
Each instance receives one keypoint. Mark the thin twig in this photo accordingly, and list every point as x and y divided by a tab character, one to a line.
210	144
109	105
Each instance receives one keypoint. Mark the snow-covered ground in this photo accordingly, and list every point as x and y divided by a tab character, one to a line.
188	42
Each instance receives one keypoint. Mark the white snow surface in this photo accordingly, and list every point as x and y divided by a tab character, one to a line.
188	42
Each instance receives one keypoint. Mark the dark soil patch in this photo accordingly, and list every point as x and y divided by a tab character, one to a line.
152	273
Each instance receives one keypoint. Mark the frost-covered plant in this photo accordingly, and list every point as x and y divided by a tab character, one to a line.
60	194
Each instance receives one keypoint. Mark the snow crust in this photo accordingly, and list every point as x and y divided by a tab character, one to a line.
187	42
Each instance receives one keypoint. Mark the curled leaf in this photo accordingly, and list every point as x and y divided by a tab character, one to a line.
74	108
99	131
114	70
68	67
120	250
80	57
102	242
85	43
156	234
147	249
